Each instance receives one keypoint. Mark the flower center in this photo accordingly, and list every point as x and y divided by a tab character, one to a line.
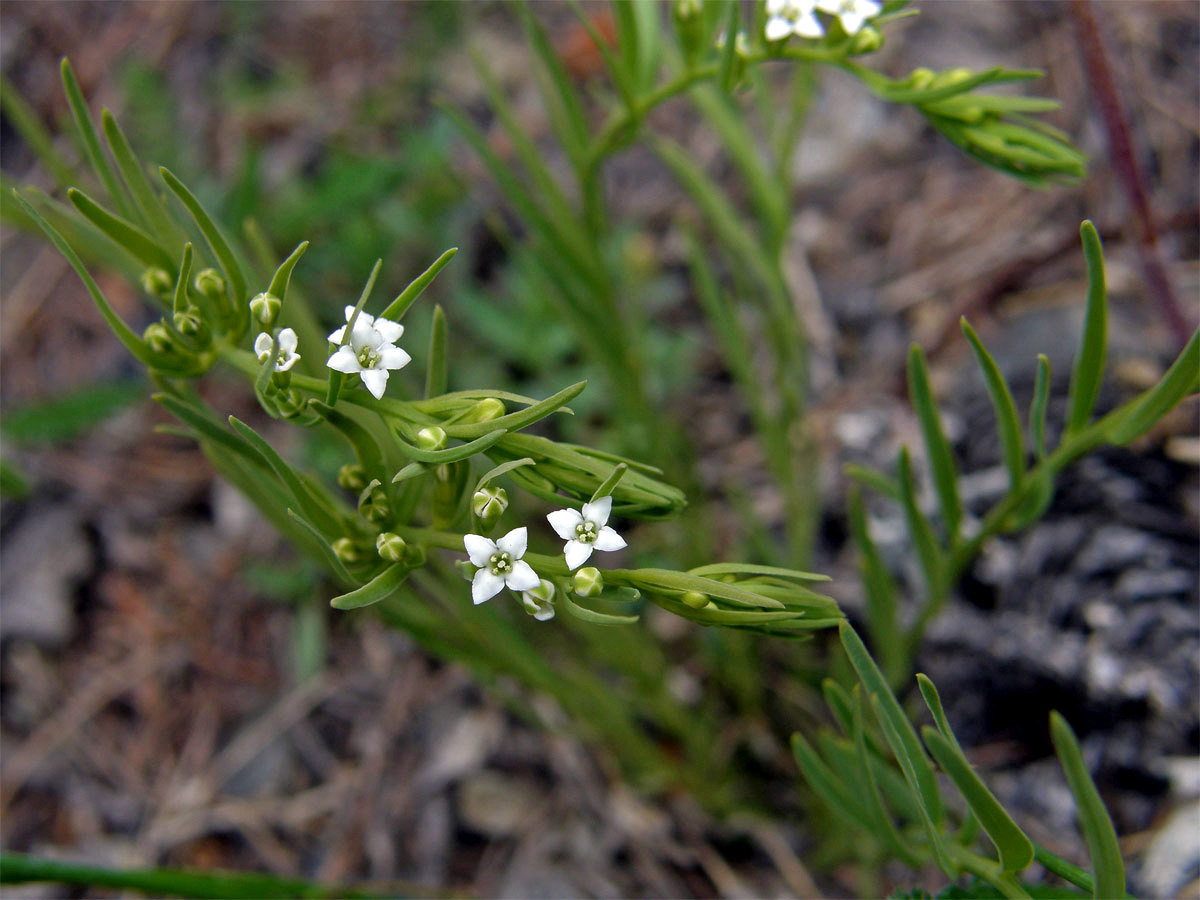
500	563
585	532
367	358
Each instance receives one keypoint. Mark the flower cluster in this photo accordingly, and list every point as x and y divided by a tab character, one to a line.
798	17
371	351
499	563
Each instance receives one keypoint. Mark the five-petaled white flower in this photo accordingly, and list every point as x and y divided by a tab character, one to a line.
500	564
786	17
371	352
853	14
585	531
264	346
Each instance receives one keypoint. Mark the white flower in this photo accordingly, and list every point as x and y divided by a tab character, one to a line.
853	14
785	17
586	531
264	345
500	564
539	602
371	351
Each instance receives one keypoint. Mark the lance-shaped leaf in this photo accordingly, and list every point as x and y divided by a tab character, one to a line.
435	373
609	484
206	428
874	479
86	129
522	418
1108	868
151	207
1039	405
127	236
366	448
179	299
682	582
1015	849
828	786
378	588
901	736
928	552
884	826
283	275
398	307
941	457
1180	380
716	570
1007	421
134	344
881	592
449	454
593	616
727	70
216	241
1089	361
313	507
499	470
1039	491
563	104
327	553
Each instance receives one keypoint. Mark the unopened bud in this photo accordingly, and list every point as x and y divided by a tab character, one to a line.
391	546
920	78
539	602
431	438
588	582
158	337
951	76
347	550
264	308
488	504
352	477
290	403
189	323
210	284
158	282
694	599
373	504
868	40
484	411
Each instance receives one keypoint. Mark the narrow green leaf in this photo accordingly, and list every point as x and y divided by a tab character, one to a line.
1005	409
378	588
874	479
1180	380
620	71
134	344
562	101
609	484
718	569
412	470
327	553
502	469
884	828
837	698
828	786
650	579
903	738
179	299
590	615
1015	849
435	373
521	418
727	68
315	509
934	701
216	241
1039	492
86	129
135	241
283	275
366	448
29	126
1039	405
881	593
151	207
1107	866
398	307
941	458
450	454
930	555
1093	345
627	36
207	429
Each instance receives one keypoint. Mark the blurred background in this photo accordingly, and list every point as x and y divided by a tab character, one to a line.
171	695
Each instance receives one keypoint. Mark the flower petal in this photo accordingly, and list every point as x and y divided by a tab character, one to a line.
778	28
514	543
286	362
375	381
577	553
335	337
597	512
288	342
392	358
522	577
344	360
263	345
348	310
608	539
808	26
389	330
564	522
485	585
775	7
479	549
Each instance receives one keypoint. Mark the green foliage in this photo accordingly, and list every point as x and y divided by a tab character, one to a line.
69	415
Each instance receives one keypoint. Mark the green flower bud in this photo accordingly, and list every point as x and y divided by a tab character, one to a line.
159	338
588	582
391	546
290	403
431	438
539	602
920	78
694	599
189	323
158	283
373	504
484	411
347	550
868	40
488	504
210	284
264	308
352	477
951	76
